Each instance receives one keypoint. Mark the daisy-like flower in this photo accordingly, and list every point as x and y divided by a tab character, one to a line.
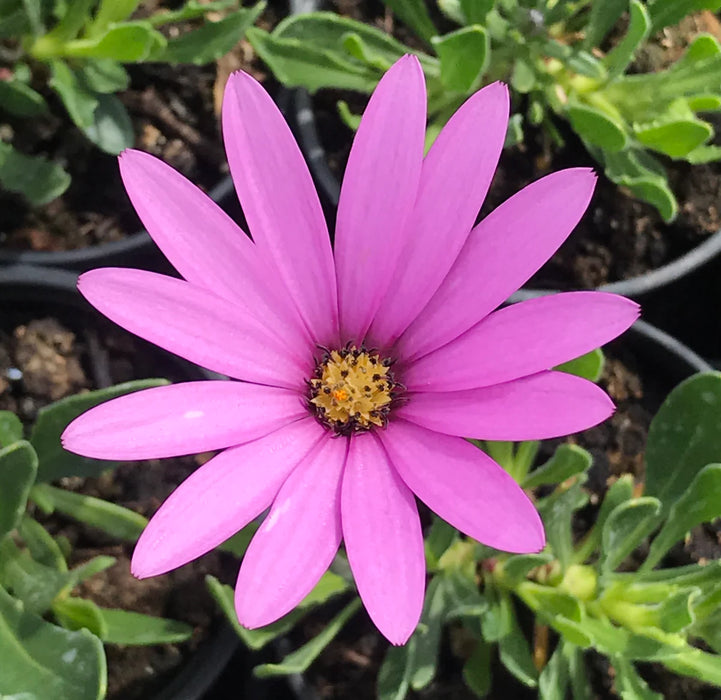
358	370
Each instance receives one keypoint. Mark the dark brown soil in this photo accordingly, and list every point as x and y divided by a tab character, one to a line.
42	360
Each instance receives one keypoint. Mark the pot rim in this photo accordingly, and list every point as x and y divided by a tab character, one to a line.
633	287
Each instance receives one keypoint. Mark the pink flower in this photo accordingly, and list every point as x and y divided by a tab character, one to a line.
390	341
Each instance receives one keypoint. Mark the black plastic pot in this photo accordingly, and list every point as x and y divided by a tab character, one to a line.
26	289
329	190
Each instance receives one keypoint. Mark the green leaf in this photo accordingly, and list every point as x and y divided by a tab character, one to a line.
685	436
588	366
477	669
597	127
18	467
515	653
462	596
112	519
703	154
675	613
42	661
523	76
76	14
111	130
55	462
550	602
664	13
699	503
37	179
212	40
567	461
697	664
11	429
464	56
629	684
440	537
78	613
393	675
627	526
674	138
104	76
34	13
639	27
78	101
704	103
36	585
42	547
238	543
423	650
557	512
517	567
14	21
130	42
109	12
475	11
299	660
414	13
136	629
553	681
655	193
602	18
20	99
580	686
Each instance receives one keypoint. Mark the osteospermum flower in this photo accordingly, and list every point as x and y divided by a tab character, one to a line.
358	371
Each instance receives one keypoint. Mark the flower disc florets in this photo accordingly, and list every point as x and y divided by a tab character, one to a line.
352	390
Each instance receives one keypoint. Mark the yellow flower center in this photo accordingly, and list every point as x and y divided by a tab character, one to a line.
352	390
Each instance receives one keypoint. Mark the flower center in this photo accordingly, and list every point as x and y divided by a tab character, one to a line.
352	390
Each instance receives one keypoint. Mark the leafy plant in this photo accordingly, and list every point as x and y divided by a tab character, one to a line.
555	56
51	638
78	50
602	591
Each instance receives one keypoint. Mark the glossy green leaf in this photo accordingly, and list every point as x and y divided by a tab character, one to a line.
588	366
11	429
114	520
553	681
567	461
700	502
78	613
79	102
136	629
557	512
37	179
299	660
129	42
18	467
41	545
55	462
630	685
464	56
104	76
414	13
597	127
111	130
664	13
639	27
626	528
674	138
685	436
211	40
18	98
42	661
515	653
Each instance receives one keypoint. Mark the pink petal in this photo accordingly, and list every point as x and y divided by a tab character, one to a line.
181	419
383	539
523	339
195	324
465	487
201	241
379	188
280	202
455	178
220	498
544	405
297	541
499	256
